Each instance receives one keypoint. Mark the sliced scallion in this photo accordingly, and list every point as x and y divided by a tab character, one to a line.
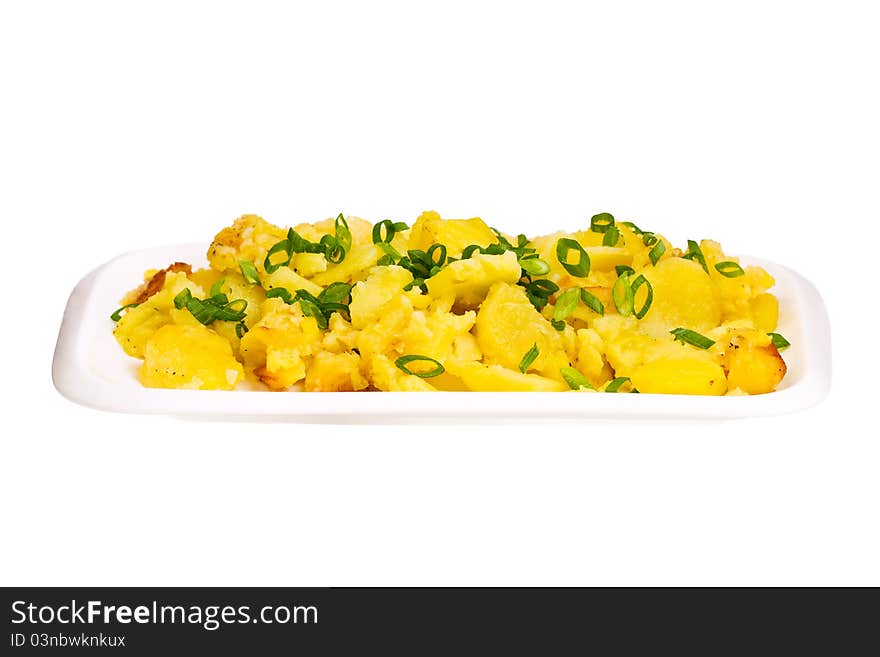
592	302
600	223
729	269
566	303
528	358
622	295
614	386
581	268
684	335
636	284
658	250
779	341
343	233
694	252
404	361
117	314
612	235
533	266
575	380
249	271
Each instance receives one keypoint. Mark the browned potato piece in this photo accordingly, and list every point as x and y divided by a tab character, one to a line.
755	369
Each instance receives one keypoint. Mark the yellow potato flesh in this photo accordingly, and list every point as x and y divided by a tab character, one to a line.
473	315
178	356
680	376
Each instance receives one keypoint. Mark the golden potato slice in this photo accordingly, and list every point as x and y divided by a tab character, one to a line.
496	378
368	296
291	281
330	372
755	369
765	312
249	238
468	281
140	323
456	234
191	357
684	296
606	258
681	376
278	346
508	326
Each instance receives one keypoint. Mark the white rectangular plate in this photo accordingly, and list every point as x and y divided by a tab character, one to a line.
91	369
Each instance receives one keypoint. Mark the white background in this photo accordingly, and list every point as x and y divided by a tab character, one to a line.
126	125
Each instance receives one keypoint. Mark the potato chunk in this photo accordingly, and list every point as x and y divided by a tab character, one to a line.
469	280
249	238
369	296
335	373
754	369
495	378
279	345
680	376
508	326
387	376
684	296
456	234
139	324
189	356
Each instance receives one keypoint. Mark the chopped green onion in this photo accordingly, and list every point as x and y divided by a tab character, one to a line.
636	284
601	222
581	268
117	314
729	269
623	269
470	250
403	361
335	293
281	293
217	288
249	272
182	297
232	311
614	386
214	308
240	329
623	296
592	302
390	230
611	237
533	265
575	380
441	259
648	238
684	335
539	292
632	227
779	341
528	358
281	247
655	253
390	252
565	306
694	252
333	250
314	310
343	233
